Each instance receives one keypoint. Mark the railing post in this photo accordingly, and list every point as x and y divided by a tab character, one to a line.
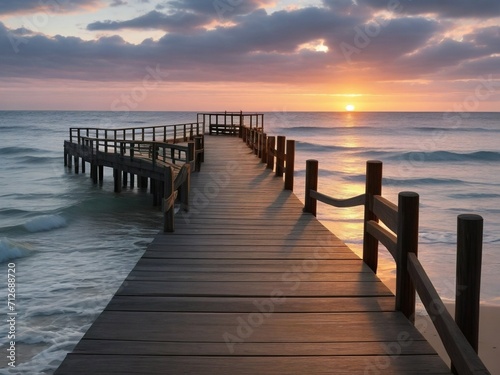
270	152
469	256
263	156
290	164
373	187
311	184
280	155
407	243
168	202
117	176
191	154
197	155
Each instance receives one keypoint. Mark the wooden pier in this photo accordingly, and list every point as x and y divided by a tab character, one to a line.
250	284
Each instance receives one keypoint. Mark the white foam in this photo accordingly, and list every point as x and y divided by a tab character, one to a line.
45	223
11	250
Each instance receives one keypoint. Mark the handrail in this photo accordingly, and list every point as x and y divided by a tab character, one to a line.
230	123
401	240
166	133
358	200
461	352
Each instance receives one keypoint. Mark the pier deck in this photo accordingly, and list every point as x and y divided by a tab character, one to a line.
248	284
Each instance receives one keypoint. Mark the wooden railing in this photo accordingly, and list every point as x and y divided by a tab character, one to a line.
230	123
176	133
277	152
152	152
400	237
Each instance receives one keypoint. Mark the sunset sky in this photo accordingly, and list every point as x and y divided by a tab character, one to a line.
309	55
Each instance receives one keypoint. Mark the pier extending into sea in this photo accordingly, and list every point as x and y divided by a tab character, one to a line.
245	280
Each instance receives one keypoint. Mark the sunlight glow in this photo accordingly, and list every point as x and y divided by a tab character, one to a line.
350	108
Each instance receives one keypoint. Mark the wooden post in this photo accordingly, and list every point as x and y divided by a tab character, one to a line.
311	184
184	190
290	164
117	175
270	152
66	155
125	179
93	173
373	187
469	256
280	155
101	173
132	180
191	153
168	202
198	157
83	166
76	164
407	236
256	140
263	156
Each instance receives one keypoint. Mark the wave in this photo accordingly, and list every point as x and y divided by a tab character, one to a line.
45	223
323	129
314	147
409	181
11	250
463	129
13	150
474	196
434	156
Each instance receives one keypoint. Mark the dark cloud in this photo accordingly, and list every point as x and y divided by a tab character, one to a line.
180	21
384	40
443	8
49	6
256	46
117	3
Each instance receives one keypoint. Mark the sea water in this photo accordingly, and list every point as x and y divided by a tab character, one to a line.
72	243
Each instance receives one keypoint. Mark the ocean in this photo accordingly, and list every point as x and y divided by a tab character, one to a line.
71	243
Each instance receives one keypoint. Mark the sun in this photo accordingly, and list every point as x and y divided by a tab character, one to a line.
350	108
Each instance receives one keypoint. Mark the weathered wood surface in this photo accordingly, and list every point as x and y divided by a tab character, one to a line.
248	284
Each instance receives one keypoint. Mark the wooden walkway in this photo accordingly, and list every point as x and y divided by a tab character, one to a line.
248	284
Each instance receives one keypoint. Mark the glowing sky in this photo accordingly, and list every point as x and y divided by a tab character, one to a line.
317	55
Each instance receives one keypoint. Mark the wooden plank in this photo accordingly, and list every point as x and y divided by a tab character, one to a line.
250	304
275	327
162	348
292	285
151	275
158	365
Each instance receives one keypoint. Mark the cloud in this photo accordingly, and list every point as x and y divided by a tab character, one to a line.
442	8
117	3
257	46
48	6
180	22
